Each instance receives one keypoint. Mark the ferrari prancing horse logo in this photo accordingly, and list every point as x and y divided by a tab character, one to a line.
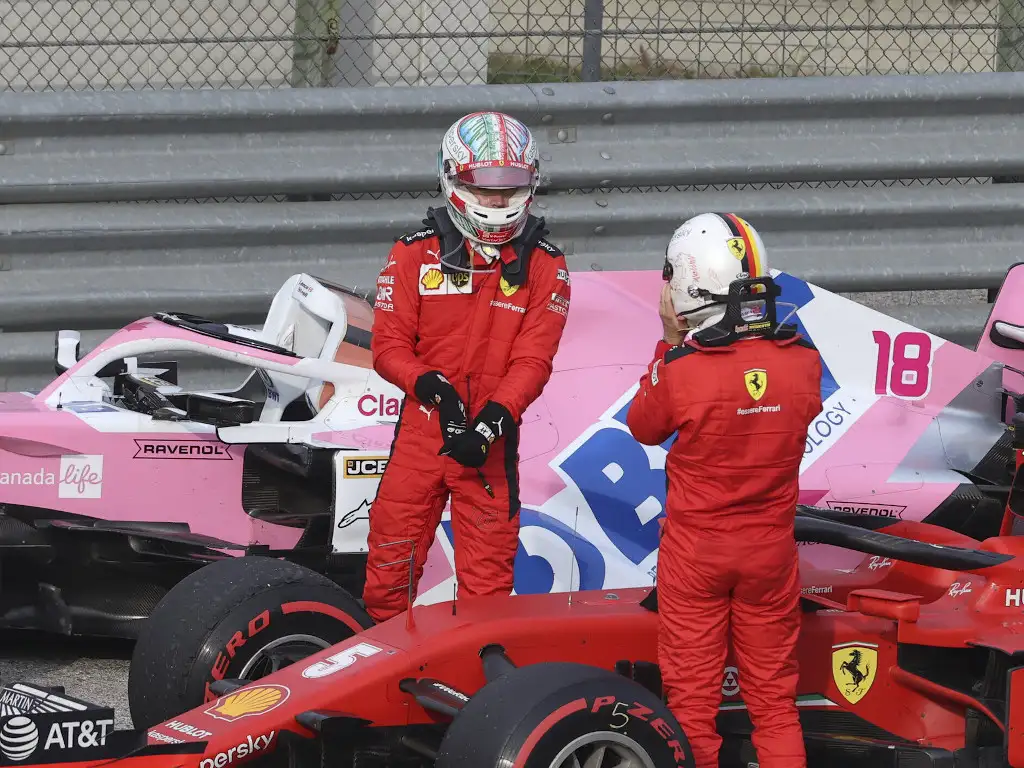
756	380
737	247
853	669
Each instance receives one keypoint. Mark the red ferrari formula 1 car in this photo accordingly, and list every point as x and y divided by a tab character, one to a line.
909	659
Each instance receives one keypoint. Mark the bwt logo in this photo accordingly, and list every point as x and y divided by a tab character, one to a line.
378	405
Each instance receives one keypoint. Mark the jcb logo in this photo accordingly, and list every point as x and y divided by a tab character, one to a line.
371	466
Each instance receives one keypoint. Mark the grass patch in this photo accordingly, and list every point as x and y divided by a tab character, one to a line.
507	68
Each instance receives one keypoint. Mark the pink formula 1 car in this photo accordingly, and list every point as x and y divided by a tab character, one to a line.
117	485
115	482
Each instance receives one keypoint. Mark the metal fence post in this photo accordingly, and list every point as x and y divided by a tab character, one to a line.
593	22
1010	38
316	40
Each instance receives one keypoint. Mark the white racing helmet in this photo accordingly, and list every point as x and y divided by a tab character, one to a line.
706	254
488	150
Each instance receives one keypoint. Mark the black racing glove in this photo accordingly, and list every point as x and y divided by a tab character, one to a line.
471	448
433	389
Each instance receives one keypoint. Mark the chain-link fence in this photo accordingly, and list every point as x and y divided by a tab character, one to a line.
136	44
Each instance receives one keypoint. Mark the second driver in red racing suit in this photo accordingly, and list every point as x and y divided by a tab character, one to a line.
469	314
740	405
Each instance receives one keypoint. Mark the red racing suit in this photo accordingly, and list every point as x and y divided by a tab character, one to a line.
494	337
728	555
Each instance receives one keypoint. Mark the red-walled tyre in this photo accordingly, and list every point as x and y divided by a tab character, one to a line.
241	617
559	714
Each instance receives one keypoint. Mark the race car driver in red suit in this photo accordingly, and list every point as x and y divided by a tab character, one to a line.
469	313
727	564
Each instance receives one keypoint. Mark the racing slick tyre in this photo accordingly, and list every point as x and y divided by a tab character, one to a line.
241	617
561	714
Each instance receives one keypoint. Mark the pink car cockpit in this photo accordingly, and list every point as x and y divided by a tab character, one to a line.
313	318
309	362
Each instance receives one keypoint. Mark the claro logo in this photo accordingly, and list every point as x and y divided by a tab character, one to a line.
378	405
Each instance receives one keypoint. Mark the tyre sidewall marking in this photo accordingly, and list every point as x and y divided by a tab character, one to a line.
250	627
541	737
305	606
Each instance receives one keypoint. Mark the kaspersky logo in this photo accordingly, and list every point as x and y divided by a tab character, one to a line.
248	702
248	747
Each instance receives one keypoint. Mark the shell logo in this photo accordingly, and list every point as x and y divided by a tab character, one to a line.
19	738
248	702
432	279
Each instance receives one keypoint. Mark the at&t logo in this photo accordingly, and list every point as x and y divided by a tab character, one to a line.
19	738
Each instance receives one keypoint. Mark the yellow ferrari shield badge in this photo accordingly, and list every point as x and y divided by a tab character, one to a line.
737	247
507	289
756	380
853	669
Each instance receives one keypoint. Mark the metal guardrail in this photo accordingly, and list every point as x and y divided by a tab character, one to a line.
825	152
75	147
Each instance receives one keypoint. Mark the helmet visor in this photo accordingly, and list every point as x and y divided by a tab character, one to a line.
496	177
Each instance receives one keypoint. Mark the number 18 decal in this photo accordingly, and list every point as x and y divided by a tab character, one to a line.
904	367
